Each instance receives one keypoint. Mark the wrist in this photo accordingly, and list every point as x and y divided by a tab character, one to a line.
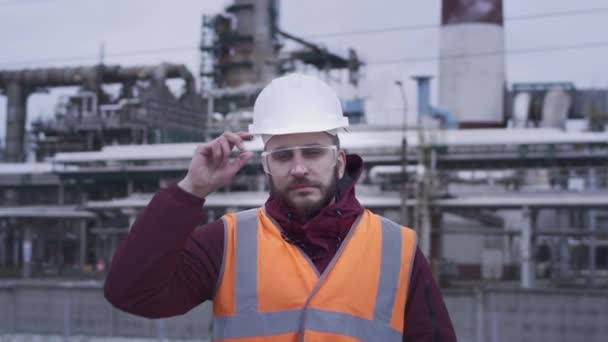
186	185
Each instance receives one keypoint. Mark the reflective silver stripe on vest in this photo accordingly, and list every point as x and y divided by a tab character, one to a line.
256	324
348	325
248	322
284	322
389	270
246	262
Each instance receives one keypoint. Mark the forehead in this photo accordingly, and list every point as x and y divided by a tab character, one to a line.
298	139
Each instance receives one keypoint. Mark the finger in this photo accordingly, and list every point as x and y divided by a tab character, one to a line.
245	135
225	149
203	149
235	140
216	152
239	162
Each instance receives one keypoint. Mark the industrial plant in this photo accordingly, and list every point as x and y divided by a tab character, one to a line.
506	186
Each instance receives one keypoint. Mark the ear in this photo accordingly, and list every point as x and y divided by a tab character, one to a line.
341	163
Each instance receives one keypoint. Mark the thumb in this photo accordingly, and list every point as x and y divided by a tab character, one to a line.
240	161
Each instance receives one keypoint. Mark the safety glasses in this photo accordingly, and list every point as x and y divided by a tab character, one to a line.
316	157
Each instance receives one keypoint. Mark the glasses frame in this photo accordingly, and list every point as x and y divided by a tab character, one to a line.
265	154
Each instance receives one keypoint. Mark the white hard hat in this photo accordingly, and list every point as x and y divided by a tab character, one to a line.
297	103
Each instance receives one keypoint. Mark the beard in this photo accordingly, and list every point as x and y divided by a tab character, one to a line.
306	207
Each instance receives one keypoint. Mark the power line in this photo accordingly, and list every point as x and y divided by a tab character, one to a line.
15	3
570	13
334	34
130	53
405	60
492	53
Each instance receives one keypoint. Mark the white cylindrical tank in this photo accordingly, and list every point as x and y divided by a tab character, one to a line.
521	109
555	109
472	65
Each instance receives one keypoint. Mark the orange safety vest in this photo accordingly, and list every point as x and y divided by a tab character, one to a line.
269	290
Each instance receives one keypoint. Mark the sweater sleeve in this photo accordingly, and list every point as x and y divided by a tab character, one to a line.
169	263
426	316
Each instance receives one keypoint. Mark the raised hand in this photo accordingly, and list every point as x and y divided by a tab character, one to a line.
211	166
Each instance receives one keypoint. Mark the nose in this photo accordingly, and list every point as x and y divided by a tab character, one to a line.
298	168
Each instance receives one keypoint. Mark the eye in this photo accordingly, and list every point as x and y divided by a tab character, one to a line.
313	152
281	156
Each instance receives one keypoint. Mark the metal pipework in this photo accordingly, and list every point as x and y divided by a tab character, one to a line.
19	84
72	76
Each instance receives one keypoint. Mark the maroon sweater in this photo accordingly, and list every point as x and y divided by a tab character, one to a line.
170	263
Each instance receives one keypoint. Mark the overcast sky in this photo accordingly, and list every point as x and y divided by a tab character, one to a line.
39	33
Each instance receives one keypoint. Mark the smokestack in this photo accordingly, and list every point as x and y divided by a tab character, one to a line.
471	66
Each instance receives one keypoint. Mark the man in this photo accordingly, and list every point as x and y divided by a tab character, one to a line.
312	264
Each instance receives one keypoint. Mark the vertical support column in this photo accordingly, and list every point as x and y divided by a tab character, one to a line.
160	329
436	242
425	213
60	252
27	252
3	243
129	186
592	179
480	318
17	233
40	246
506	248
67	318
592	228
61	193
404	194
592	185
527	263
83	244
15	122
564	253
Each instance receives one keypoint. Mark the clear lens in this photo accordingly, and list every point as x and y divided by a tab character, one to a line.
315	158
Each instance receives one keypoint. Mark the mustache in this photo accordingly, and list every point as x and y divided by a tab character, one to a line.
303	182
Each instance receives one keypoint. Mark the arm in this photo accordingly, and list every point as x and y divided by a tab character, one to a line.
167	265
426	317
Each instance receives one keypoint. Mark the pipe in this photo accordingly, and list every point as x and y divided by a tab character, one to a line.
15	122
424	104
73	76
424	95
17	85
447	118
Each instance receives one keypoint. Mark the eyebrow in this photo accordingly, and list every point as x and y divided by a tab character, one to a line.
306	145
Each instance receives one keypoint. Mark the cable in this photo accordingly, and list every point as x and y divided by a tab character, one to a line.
491	53
335	34
405	60
429	26
16	3
96	57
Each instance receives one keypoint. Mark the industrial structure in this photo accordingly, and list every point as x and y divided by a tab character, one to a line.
102	156
242	49
144	111
504	185
472	62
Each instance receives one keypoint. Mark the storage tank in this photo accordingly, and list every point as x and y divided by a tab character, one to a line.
471	62
556	105
521	109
